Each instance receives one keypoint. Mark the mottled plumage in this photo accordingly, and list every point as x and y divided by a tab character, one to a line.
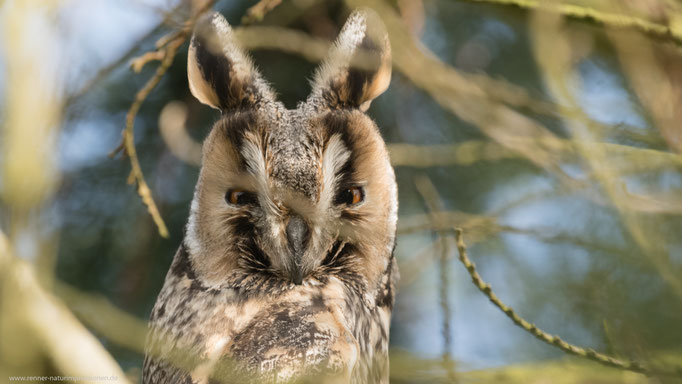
286	272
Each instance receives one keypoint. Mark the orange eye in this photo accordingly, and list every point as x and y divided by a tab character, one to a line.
358	195
240	197
351	196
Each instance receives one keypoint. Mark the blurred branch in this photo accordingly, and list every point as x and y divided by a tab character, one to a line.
615	20
443	220
173	127
35	327
407	367
283	39
560	371
100	315
621	159
484	227
66	342
470	102
553	52
411	269
167	49
541	335
658	90
434	204
480	227
633	159
258	11
465	153
127	331
414	15
139	62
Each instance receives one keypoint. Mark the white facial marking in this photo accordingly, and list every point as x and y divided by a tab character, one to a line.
335	156
255	161
192	237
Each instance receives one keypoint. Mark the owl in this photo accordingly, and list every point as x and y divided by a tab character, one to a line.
286	271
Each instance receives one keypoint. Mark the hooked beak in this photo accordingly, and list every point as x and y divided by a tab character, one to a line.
298	234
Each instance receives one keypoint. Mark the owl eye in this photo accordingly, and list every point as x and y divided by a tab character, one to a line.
351	196
240	197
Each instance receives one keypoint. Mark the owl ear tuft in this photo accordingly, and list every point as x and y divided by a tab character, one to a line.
220	74
358	66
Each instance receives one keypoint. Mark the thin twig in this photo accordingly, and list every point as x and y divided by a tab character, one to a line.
541	335
129	138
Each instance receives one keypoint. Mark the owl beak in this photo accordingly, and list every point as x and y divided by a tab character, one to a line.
297	235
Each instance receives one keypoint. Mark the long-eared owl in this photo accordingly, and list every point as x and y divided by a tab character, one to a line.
286	270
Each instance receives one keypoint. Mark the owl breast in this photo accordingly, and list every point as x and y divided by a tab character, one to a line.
322	329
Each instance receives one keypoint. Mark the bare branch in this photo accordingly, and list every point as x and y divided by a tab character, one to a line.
61	336
138	63
258	11
541	335
129	138
614	20
167	50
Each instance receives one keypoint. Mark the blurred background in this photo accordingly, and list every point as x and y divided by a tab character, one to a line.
549	131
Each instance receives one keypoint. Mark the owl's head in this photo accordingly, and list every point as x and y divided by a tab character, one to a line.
291	193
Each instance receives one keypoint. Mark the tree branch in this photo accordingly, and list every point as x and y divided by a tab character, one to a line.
615	20
68	344
167	50
545	337
258	11
129	136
